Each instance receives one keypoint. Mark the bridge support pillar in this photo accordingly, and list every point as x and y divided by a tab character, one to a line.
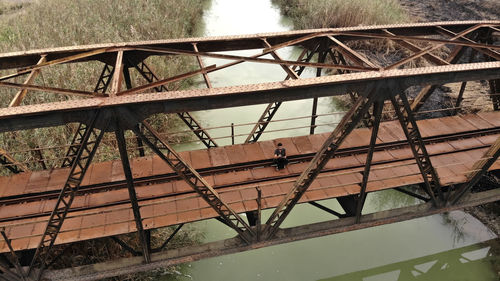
349	204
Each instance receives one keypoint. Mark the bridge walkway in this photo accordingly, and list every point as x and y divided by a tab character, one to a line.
102	207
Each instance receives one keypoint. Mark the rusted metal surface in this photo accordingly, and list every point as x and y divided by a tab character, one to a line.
331	144
193	178
173	188
233	245
33	116
172	203
79	165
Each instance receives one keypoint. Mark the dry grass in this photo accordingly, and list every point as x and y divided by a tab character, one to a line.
52	23
340	13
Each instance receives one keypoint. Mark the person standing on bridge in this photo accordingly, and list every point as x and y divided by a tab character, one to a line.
280	157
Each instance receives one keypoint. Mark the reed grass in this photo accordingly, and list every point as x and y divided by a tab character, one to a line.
307	14
53	23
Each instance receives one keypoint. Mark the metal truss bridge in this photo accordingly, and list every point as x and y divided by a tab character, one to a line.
381	142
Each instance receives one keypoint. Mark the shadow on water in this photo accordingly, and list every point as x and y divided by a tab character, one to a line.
466	263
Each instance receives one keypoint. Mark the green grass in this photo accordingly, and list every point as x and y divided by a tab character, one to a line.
307	14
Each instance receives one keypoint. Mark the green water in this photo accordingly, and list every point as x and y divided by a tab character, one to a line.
419	249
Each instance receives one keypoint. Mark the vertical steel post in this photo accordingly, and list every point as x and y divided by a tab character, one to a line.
259	213
460	97
122	147
321	59
128	84
39	155
232	133
377	113
153	140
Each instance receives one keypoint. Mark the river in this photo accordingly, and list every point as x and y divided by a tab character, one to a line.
419	249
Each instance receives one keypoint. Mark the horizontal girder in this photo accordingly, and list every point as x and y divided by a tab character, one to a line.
60	113
224	43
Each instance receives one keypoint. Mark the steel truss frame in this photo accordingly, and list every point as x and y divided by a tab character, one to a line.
343	129
87	147
86	139
331	144
186	117
11	163
272	108
153	140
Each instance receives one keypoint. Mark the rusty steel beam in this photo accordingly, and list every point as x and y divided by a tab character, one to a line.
26	70
202	66
271	109
116	81
152	139
251	59
50	90
346	51
378	106
219	44
13	258
327	151
186	117
432	48
159	83
427	91
478	170
482	49
412	133
122	147
18	98
414	48
234	245
464	43
275	55
37	116
11	163
82	159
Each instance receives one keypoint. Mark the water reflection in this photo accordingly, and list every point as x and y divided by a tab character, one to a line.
467	263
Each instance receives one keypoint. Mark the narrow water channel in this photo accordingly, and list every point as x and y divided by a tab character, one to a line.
430	248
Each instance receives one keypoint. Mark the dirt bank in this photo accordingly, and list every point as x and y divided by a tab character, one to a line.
452	10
